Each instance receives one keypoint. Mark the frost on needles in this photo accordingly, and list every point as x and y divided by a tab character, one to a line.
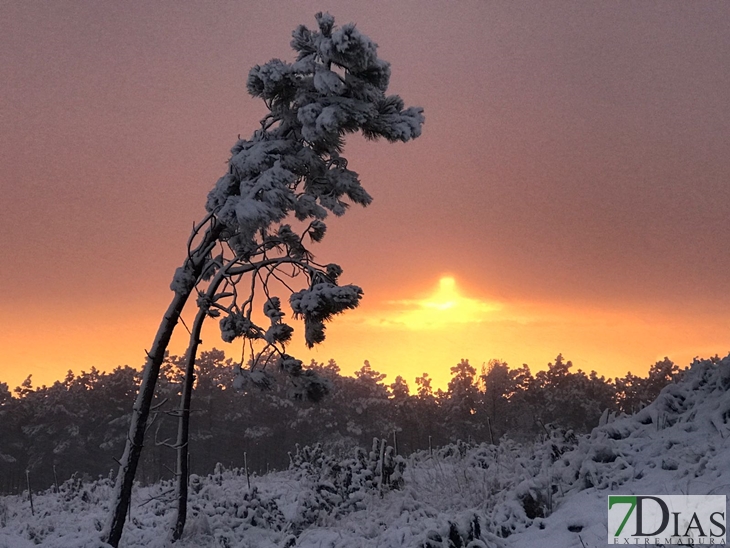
293	166
283	183
280	186
293	163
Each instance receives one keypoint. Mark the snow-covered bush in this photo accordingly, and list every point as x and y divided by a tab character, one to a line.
338	486
548	492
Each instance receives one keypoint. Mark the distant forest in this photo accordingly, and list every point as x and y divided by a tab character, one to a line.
79	425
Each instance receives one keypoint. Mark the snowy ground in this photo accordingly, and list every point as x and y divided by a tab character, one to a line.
550	493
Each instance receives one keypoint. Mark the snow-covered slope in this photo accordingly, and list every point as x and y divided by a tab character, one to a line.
550	493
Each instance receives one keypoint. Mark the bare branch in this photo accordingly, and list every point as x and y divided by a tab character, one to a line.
158	497
157	406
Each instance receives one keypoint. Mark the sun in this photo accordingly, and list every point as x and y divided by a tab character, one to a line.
445	306
445	296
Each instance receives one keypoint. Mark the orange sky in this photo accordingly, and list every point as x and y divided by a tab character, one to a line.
572	179
427	332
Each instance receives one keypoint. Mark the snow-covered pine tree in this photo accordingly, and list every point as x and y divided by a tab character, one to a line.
289	175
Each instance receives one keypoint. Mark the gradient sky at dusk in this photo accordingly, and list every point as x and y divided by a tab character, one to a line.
572	179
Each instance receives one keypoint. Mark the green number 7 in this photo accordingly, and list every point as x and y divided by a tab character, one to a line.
622	500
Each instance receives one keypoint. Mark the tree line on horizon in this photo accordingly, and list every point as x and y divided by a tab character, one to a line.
79	425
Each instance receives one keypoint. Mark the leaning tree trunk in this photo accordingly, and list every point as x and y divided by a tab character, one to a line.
183	426
183	432
185	280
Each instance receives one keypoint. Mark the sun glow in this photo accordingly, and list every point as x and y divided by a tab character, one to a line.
445	297
446	305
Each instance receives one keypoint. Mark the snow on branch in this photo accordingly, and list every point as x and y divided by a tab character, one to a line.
289	176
